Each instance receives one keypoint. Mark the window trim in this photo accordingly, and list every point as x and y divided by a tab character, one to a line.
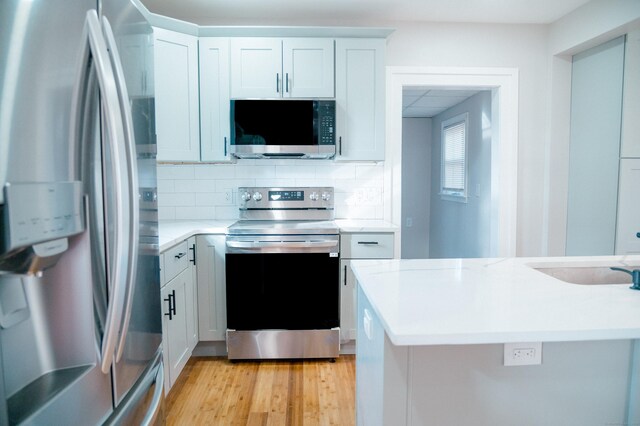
460	197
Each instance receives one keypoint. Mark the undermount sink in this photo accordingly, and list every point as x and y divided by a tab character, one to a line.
586	274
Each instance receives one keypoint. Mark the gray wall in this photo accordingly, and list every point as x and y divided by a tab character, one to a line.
463	229
416	185
596	113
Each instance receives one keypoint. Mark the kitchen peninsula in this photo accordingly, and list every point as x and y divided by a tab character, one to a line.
431	342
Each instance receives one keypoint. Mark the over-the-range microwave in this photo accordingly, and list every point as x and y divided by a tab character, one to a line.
284	128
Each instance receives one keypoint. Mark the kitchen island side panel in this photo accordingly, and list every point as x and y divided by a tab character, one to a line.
578	383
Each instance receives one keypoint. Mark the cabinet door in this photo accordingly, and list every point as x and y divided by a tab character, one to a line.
214	99
360	99
176	86
177	351
628	226
192	297
347	302
256	68
212	310
307	65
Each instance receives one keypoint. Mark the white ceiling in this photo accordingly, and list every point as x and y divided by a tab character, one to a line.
361	12
423	102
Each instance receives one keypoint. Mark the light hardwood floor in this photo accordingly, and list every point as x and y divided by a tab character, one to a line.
214	391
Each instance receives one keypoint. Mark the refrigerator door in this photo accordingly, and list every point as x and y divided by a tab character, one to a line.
50	353
130	41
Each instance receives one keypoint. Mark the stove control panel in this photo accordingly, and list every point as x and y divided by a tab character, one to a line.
286	199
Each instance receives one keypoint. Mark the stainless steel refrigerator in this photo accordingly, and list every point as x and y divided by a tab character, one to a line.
80	318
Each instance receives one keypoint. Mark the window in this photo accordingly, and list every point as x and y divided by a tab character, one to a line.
453	182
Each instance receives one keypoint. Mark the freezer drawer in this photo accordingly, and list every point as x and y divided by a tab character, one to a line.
144	404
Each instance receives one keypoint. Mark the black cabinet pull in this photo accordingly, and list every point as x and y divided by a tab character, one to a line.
180	255
277	83
368	243
171	298
225	146
287	82
345	275
193	249
340	145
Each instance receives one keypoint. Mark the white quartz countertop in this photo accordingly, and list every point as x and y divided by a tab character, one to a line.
173	232
473	301
365	225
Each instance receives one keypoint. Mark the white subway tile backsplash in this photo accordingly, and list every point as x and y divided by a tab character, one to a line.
256	172
338	171
183	171
202	191
166	213
295	172
214	171
226	212
176	199
195	213
202	185
224	184
165	186
205	199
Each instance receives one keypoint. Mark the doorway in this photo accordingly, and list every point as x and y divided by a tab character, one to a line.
446	173
503	85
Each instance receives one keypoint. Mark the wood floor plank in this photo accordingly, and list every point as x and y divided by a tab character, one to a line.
214	391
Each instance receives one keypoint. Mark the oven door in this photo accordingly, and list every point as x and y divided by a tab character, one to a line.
283	282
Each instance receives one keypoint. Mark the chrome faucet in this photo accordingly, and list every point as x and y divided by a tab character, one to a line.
635	276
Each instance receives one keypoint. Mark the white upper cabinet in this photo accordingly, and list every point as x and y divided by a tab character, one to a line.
176	87
307	65
214	99
360	89
274	68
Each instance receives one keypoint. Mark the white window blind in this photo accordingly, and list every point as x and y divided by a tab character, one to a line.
454	159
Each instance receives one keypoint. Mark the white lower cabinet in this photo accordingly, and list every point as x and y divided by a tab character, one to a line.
179	310
347	302
192	297
212	310
357	246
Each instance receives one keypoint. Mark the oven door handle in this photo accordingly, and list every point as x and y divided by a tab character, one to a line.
257	245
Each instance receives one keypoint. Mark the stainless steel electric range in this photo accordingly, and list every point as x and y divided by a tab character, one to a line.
282	269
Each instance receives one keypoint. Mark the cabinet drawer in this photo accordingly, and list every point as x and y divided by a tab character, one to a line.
176	260
367	246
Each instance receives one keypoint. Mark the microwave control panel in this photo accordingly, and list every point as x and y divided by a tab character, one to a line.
326	122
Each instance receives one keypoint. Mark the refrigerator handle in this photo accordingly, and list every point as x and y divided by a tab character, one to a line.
95	48
156	402
132	179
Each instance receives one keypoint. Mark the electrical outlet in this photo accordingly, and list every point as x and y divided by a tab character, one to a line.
228	196
522	353
409	222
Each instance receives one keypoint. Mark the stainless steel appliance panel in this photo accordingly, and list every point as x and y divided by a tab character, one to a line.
133	37
76	337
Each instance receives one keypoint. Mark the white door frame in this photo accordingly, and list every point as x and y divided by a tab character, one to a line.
503	82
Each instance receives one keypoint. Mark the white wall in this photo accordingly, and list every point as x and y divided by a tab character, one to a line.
463	229
596	22
596	114
416	184
492	45
199	191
